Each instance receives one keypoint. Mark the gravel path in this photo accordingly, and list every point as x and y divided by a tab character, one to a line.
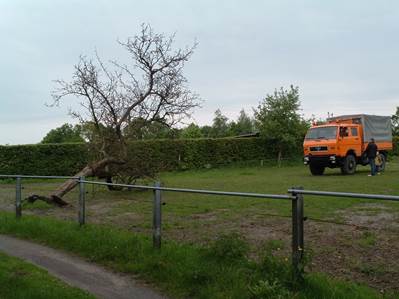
77	272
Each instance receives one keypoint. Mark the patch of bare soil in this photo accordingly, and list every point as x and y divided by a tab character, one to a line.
354	253
374	216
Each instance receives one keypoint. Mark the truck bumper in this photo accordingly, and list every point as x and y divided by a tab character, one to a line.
331	161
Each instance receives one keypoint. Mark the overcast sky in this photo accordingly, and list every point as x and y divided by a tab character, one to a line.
343	55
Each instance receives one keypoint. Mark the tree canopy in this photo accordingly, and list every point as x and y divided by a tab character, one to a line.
66	133
114	96
243	125
278	117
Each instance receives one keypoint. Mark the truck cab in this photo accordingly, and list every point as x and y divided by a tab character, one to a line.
341	142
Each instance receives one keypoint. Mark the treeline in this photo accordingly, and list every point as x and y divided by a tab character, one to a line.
277	118
221	126
138	129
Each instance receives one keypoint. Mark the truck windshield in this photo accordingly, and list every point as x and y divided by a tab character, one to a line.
322	133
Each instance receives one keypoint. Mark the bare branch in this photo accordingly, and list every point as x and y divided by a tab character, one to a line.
152	87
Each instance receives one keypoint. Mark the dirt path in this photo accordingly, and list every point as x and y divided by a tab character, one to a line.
76	272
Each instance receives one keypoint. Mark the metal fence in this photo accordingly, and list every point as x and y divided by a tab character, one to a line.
295	195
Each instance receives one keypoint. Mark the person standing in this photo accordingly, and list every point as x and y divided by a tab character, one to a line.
371	152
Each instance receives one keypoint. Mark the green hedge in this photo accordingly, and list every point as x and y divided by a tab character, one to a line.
43	159
198	153
160	155
157	155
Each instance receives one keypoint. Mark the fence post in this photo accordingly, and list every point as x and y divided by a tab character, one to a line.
157	220
82	201
297	235
18	195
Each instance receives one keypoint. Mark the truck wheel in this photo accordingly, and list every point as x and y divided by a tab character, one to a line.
316	169
349	165
383	162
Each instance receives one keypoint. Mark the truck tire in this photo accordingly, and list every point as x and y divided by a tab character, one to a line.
349	165
316	169
382	166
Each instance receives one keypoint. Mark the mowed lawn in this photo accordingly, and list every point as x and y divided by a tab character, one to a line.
354	239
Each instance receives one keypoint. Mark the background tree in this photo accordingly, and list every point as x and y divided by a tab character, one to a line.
206	131
139	129
152	88
278	117
220	125
243	125
395	123
191	131
63	134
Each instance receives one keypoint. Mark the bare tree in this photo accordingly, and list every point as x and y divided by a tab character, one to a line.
152	88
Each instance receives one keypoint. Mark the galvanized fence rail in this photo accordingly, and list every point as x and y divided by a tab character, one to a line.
345	194
295	194
157	204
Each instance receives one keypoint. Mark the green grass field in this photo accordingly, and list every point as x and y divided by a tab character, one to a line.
353	239
19	280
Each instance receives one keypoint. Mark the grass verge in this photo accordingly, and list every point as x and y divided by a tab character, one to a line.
19	279
220	270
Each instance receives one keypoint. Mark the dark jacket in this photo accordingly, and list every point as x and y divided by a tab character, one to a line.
371	150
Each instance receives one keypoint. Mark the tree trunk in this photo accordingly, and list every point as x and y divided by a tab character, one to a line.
89	170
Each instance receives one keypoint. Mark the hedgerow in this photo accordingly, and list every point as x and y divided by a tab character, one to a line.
159	155
156	155
43	159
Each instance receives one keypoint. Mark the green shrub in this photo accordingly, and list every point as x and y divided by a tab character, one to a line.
43	159
144	157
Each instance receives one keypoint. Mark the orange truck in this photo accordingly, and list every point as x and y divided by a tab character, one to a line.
342	141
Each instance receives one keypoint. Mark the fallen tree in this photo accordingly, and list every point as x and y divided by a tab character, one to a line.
152	88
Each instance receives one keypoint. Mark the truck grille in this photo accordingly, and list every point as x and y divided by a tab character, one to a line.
318	148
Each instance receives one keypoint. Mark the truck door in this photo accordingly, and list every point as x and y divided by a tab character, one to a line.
350	140
354	141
